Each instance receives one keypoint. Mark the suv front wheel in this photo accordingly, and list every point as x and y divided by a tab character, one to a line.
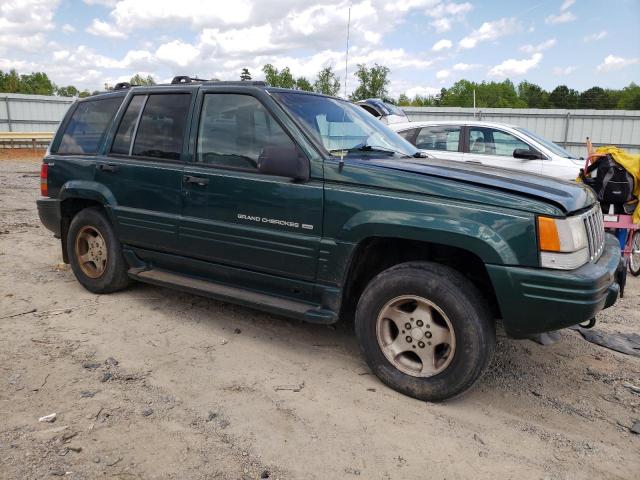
95	253
425	330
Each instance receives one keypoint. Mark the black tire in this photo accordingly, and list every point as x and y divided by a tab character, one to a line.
463	306
113	276
634	261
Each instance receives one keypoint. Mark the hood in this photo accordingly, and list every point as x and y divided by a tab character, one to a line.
568	196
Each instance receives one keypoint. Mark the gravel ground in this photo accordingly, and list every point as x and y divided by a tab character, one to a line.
153	383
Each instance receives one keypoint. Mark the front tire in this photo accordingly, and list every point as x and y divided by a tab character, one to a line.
95	253
425	330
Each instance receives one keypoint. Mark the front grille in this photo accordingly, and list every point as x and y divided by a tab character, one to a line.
594	225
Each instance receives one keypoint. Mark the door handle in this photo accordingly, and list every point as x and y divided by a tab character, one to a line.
106	167
197	180
473	161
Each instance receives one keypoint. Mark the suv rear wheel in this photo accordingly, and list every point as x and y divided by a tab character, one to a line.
95	253
425	330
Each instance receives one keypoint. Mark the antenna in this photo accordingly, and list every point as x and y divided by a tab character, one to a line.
346	74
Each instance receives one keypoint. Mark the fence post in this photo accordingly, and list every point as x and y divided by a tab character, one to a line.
6	102
566	129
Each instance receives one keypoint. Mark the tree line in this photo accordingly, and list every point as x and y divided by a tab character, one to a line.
374	82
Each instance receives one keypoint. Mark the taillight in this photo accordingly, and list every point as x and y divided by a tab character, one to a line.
44	187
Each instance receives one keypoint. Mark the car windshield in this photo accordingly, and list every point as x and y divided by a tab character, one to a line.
344	128
556	149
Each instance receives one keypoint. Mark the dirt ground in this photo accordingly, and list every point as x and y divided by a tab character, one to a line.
153	383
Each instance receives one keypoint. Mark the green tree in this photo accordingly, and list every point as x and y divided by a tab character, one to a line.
564	97
138	79
276	78
9	82
596	98
533	95
327	82
85	93
629	97
403	100
372	82
304	84
245	75
36	83
68	91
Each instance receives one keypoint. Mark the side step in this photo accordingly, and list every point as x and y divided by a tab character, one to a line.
282	306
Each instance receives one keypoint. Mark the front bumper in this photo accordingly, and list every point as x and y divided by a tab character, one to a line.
536	300
49	213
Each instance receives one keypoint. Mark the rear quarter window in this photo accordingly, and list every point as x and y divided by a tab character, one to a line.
87	126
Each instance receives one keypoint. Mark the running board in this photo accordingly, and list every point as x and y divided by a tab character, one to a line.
282	306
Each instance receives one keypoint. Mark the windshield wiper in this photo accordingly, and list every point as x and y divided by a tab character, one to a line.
369	148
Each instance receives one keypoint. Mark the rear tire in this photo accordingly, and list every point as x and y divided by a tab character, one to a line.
634	258
425	330
95	253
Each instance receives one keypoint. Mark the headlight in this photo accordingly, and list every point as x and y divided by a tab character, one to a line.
563	242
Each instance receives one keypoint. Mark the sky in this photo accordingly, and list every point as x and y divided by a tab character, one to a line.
427	44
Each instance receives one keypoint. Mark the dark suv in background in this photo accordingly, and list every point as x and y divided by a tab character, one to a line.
307	206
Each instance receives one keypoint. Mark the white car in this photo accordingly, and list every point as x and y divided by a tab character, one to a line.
489	143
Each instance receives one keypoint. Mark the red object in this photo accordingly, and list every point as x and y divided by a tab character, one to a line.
44	187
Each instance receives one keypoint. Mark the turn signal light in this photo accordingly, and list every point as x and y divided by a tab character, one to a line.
548	237
44	186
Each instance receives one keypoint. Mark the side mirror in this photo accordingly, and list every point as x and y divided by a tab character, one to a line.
525	154
284	161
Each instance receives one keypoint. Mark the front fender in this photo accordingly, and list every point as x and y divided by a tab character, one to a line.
490	239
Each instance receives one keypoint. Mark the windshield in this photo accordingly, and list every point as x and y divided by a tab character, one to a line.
556	149
344	128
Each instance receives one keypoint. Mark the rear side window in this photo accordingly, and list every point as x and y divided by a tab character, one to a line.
439	138
122	141
161	129
88	125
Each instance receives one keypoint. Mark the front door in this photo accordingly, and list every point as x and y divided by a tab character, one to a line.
494	147
142	170
236	216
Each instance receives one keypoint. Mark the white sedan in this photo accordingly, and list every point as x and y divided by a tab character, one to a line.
489	143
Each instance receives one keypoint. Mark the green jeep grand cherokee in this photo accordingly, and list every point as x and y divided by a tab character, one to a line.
306	206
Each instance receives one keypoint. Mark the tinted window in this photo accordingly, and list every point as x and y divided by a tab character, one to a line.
122	142
408	134
234	129
493	142
88	125
443	137
161	129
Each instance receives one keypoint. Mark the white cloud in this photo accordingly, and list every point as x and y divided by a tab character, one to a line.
104	3
611	63
567	4
539	47
23	24
563	17
422	91
103	29
513	67
564	71
446	13
465	67
490	31
443	74
177	53
67	28
441	45
596	36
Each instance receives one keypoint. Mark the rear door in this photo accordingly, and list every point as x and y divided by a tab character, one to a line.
235	215
440	141
143	168
494	147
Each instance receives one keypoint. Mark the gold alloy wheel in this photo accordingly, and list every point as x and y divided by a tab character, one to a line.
91	251
415	336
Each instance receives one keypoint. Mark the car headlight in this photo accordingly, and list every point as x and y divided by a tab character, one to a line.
563	242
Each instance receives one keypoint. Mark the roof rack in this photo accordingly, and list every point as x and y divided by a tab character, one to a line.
123	86
254	83
186	79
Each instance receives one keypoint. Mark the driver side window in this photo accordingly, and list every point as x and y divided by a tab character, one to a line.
233	131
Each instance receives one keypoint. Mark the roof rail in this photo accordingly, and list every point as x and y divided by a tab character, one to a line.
186	79
255	83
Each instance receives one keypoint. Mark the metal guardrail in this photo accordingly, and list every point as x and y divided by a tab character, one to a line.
22	139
